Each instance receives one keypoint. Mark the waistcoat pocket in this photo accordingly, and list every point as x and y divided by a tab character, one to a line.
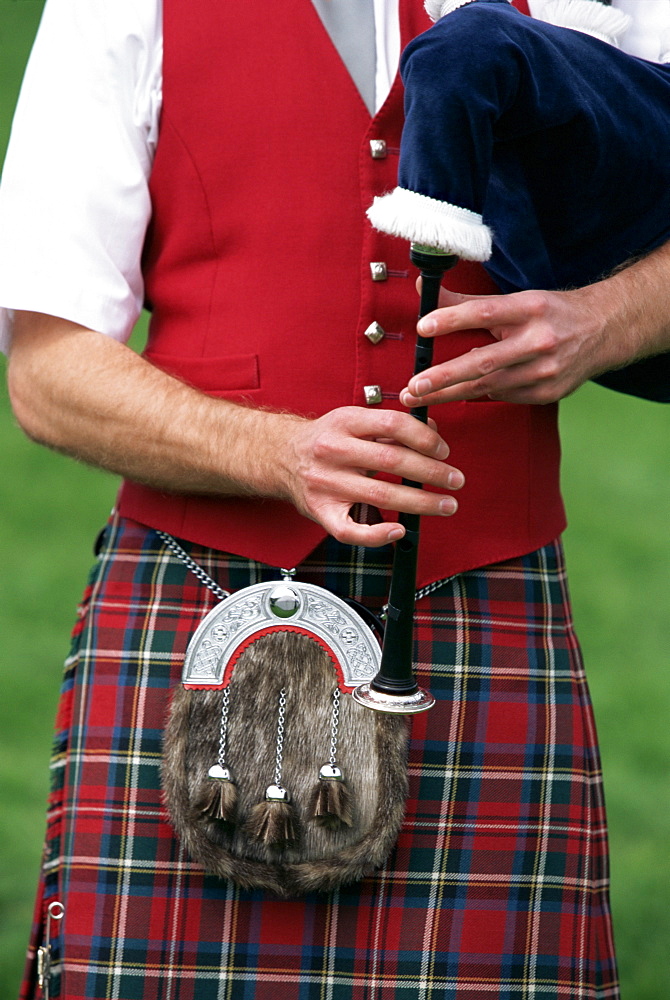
214	375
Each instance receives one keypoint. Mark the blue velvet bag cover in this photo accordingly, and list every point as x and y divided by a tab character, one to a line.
541	151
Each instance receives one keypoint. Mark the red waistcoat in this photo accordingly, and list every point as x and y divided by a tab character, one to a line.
257	268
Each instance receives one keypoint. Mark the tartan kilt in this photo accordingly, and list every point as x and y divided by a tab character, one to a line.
498	886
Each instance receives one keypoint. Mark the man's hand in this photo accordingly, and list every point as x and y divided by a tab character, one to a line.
548	343
80	392
331	460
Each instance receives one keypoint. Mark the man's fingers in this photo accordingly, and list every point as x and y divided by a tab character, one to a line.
479	363
340	455
409	499
488	313
472	314
349	532
395	460
524	383
335	517
334	441
348	488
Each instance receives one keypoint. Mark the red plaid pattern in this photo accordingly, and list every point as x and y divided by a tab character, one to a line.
498	886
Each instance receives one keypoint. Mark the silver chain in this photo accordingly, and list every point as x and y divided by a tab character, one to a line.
432	587
334	727
280	738
193	565
204	578
223	731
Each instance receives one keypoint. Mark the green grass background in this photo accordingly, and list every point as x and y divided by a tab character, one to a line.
616	479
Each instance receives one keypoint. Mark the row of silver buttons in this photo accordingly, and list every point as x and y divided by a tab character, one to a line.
378	272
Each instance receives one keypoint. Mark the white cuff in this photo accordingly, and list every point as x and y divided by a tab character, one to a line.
588	16
438	224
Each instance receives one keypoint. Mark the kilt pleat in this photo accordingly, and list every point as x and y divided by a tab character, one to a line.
498	886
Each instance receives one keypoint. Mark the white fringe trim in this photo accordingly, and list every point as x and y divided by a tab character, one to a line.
440	8
421	219
588	16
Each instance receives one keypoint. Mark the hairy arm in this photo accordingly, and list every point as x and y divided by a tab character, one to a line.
548	343
84	394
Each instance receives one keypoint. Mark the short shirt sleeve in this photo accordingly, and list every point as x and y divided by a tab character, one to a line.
74	198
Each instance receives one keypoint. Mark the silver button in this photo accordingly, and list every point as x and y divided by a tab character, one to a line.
375	332
378	270
373	394
377	149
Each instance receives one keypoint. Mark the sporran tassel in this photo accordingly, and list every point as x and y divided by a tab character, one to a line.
218	798
331	799
273	822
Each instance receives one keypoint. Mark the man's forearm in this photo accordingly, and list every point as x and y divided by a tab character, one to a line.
86	395
636	300
81	393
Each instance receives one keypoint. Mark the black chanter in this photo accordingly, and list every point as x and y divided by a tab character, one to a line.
394	688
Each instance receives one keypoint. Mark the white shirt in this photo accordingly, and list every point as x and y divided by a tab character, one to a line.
74	200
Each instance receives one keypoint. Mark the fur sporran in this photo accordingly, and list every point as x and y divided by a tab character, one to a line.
274	777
